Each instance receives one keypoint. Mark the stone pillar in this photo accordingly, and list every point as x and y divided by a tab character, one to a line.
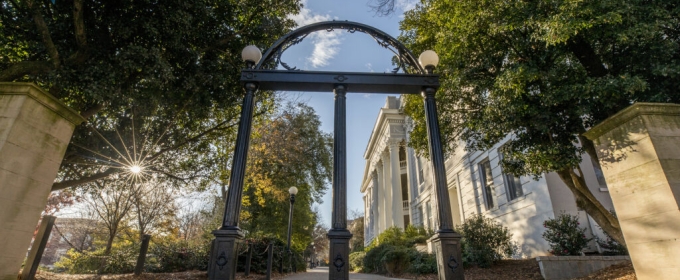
397	200
387	191
375	213
382	223
412	180
35	129
639	150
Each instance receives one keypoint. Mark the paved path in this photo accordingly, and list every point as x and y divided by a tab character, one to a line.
321	273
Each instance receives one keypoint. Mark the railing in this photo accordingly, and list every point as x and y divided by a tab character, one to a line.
402	164
406	205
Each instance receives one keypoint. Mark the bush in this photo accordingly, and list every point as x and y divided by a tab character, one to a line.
396	259
122	259
258	262
565	236
356	261
422	263
169	255
485	241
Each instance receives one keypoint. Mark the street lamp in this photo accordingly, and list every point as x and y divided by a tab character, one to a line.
311	256
293	191
429	60
251	55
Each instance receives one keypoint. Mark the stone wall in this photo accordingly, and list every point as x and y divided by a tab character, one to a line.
569	267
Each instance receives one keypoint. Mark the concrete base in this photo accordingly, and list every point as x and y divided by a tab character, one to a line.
447	250
339	255
568	267
639	150
223	254
35	129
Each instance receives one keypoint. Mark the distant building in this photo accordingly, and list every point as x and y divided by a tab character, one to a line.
397	188
68	233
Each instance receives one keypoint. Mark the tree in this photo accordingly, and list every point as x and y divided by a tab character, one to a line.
170	67
356	228
544	73
153	207
288	149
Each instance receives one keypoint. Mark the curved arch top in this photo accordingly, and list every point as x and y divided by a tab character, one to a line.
404	56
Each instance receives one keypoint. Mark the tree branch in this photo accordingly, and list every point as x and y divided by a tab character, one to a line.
89	112
586	55
44	33
23	68
81	39
72	183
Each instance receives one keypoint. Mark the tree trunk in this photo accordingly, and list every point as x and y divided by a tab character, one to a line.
587	201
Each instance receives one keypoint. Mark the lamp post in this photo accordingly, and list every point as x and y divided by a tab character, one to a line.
311	256
293	191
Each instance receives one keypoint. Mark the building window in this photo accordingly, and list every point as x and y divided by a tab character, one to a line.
421	217
487	183
514	186
598	173
512	183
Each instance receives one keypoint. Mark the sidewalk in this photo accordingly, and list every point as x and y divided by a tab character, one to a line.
321	273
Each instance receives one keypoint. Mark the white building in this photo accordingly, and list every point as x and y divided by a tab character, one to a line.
397	188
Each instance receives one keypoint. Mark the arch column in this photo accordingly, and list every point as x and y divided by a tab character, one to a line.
374	208
339	235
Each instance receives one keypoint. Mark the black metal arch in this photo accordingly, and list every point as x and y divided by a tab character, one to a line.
403	55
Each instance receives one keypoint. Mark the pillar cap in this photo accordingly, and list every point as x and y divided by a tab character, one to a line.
625	115
42	97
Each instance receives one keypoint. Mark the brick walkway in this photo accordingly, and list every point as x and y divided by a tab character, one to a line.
321	273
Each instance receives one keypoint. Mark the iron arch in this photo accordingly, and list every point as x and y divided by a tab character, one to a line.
405	58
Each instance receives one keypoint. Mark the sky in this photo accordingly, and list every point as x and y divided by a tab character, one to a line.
343	51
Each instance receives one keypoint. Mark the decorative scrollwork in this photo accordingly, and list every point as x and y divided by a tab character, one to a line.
338	262
452	263
402	56
222	260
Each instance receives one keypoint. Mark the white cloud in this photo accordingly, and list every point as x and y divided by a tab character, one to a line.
325	43
406	5
369	66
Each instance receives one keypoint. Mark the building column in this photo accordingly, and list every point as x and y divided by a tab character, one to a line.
397	200
380	209
412	180
374	209
387	191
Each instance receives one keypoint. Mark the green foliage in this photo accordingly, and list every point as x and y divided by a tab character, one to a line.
610	247
356	261
485	241
122	259
543	72
171	255
258	263
156	80
422	263
392	251
565	236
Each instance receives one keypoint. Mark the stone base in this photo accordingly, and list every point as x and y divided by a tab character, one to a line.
447	250
339	256
570	267
224	254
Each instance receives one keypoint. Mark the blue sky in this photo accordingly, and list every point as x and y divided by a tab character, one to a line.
342	51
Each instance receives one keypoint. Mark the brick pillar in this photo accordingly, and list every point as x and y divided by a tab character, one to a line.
35	129
639	150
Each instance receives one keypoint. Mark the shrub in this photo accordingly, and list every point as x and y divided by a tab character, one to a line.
169	255
122	259
485	241
396	259
422	263
356	261
258	263
565	236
